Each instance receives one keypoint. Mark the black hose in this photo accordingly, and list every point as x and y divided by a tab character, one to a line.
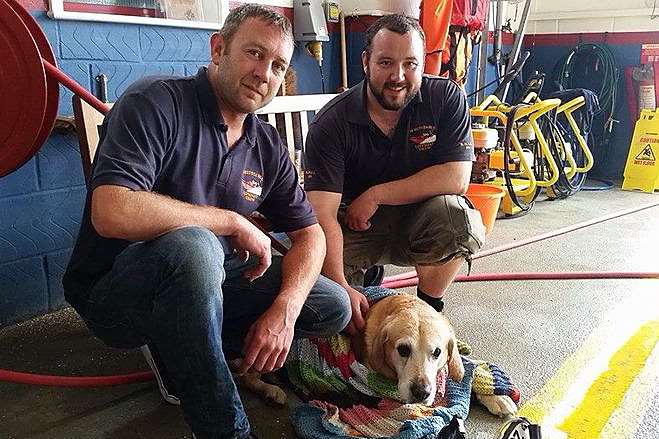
507	140
594	67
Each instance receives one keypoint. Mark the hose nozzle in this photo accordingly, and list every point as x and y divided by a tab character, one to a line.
315	49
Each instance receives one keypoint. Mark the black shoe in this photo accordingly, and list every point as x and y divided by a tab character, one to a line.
373	276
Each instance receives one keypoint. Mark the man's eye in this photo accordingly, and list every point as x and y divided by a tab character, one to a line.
404	350
385	63
279	68
412	65
254	53
437	352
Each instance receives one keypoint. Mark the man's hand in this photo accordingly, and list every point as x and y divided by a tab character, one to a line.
359	306
247	238
360	212
268	341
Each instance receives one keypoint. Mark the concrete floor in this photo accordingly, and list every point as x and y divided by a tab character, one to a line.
554	338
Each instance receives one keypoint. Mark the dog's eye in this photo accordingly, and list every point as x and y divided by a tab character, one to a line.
404	350
437	352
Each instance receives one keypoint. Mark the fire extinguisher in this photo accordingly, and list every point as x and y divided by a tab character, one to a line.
643	76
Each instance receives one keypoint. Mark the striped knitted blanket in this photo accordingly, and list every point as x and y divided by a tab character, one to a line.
348	400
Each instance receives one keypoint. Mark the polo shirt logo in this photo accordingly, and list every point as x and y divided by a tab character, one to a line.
423	137
252	184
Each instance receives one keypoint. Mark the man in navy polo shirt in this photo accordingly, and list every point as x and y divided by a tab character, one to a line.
386	165
165	254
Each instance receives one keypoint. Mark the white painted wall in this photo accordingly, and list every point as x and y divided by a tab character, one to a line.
380	7
576	16
547	16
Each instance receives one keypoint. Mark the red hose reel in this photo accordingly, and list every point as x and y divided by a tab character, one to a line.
29	87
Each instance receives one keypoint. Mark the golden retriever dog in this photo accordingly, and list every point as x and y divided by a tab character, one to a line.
406	340
253	381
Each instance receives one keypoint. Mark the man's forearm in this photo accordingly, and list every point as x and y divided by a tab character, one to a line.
300	269
429	182
333	264
139	215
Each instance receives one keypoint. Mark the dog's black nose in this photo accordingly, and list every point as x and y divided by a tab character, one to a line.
420	392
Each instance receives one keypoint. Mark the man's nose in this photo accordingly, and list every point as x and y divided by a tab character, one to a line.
262	70
398	74
420	391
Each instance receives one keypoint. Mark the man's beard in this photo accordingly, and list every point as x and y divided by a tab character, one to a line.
383	101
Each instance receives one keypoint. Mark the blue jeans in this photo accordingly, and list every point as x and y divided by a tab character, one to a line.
180	294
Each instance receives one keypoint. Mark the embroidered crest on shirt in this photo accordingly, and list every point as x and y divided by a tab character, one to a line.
252	184
423	137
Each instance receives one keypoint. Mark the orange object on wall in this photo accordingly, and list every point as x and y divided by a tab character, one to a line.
435	21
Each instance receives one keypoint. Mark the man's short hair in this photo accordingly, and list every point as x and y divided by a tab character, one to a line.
399	23
238	15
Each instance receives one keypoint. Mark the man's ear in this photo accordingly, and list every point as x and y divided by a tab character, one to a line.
365	61
218	46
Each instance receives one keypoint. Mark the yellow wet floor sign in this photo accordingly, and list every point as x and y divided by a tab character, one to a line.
642	168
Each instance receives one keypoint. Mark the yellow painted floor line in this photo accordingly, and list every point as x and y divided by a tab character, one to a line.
624	421
566	388
564	392
608	390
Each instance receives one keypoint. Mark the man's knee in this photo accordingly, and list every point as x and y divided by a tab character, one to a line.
195	259
193	246
448	224
330	307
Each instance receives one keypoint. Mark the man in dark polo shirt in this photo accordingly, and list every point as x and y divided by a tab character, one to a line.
386	165
165	254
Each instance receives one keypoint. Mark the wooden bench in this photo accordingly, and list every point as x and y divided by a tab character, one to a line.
289	114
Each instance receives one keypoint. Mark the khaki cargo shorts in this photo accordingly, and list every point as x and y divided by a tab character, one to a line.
428	233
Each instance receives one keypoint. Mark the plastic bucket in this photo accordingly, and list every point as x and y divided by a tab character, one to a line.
486	199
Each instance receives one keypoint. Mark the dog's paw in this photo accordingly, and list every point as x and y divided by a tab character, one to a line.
275	394
499	405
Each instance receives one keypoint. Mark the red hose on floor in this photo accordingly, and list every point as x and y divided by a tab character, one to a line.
409	282
114	380
397	281
531	240
66	381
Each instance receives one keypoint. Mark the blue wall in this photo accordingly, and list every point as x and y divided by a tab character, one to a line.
41	203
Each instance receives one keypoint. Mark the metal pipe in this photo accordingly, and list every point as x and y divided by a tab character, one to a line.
498	23
517	45
481	73
344	57
76	88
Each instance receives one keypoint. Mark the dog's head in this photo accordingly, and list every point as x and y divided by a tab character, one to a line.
407	340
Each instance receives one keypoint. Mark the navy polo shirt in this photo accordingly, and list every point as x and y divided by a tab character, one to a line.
347	153
167	135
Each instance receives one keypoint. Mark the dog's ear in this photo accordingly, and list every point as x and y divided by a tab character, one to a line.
377	355
456	370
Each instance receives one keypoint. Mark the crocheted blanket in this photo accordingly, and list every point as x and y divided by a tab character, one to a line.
348	400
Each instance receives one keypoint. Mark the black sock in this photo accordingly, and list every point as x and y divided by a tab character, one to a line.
435	302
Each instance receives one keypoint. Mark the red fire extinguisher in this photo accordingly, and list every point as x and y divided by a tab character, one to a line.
641	88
